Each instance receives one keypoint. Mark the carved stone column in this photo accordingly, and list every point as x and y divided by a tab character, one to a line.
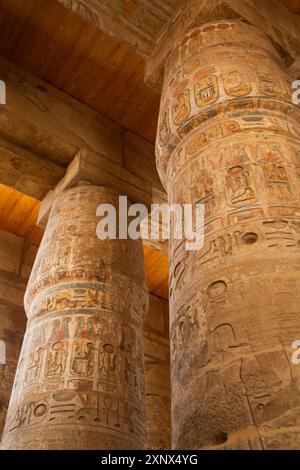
157	375
229	138
14	261
80	381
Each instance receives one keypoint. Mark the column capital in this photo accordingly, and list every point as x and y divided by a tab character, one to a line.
228	139
80	377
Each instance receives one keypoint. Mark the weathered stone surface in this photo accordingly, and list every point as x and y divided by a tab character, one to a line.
190	11
26	172
12	288
274	19
229	138
28	257
270	16
88	166
137	24
42	130
80	378
157	375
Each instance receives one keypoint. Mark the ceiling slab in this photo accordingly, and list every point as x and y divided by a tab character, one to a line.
60	47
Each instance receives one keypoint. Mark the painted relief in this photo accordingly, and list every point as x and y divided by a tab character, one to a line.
239	189
181	107
207	91
236	83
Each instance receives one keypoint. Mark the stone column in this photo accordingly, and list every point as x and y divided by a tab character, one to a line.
229	138
80	380
15	261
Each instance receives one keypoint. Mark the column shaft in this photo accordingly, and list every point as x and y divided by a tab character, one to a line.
80	382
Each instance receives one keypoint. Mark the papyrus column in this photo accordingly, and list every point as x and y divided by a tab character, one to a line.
229	138
80	380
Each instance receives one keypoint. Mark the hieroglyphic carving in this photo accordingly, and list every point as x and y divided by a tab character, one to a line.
277	181
281	233
82	357
181	107
203	190
136	24
234	302
219	247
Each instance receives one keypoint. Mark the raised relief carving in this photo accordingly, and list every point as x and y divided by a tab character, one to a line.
195	44
225	342
238	185
202	188
34	366
281	233
216	292
164	130
269	152
268	84
277	181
